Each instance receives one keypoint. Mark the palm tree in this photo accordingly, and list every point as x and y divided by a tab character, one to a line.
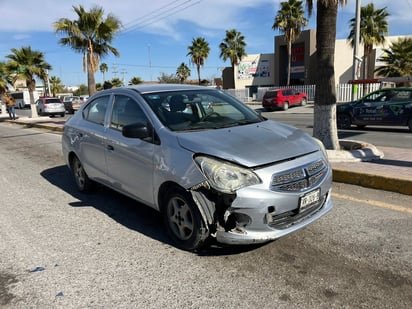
290	20
198	52
5	80
104	68
373	28
28	64
90	35
183	72
397	59
55	85
233	48
324	122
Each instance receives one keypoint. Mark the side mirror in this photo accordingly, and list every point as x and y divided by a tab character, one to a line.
138	130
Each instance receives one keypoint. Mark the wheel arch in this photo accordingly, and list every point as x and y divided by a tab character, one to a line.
204	205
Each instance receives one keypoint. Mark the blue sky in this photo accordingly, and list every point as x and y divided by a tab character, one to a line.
156	33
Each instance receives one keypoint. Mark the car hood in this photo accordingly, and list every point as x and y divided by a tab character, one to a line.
250	145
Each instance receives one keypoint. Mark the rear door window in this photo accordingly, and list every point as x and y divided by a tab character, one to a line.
95	111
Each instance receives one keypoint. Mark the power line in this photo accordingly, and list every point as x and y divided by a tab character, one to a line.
150	19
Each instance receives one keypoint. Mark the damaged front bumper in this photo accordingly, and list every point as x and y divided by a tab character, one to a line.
292	195
274	229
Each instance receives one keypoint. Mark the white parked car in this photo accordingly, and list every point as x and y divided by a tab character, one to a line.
48	106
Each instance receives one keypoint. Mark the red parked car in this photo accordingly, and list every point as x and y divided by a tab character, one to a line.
283	98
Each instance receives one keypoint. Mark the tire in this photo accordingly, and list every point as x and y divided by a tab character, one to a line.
410	124
344	121
183	221
304	101
83	182
62	114
285	106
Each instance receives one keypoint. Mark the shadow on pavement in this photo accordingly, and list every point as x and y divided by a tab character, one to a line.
126	211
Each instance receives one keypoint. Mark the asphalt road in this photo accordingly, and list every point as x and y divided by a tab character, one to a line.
63	249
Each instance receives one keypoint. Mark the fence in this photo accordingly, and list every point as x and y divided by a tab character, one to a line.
343	91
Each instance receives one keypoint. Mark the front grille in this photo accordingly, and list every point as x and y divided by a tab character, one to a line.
287	219
300	178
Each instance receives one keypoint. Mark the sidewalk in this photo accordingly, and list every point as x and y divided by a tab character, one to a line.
386	168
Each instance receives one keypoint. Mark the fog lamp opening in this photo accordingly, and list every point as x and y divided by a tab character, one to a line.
237	220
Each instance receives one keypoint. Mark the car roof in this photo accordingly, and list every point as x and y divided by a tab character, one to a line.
149	88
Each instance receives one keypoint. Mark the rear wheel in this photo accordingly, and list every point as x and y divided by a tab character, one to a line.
344	121
410	124
183	220
285	106
84	184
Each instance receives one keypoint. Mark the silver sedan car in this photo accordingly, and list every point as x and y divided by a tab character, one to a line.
211	165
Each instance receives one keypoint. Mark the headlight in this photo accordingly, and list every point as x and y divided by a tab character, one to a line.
224	176
322	147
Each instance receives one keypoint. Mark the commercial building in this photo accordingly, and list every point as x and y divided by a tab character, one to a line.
268	70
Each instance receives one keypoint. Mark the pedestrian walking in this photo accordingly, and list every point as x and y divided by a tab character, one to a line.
10	105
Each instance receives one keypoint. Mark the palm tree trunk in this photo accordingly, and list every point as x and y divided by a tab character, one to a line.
31	86
198	72
289	61
324	123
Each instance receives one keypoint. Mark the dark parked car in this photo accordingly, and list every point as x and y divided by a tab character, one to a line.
283	98
210	164
68	103
386	107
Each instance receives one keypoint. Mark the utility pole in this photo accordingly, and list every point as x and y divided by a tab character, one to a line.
150	63
356	60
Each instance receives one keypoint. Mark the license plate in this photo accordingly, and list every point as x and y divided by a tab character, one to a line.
309	200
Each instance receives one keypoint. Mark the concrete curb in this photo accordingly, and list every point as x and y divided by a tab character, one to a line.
381	182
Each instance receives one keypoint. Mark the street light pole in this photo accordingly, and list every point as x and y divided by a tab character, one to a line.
356	59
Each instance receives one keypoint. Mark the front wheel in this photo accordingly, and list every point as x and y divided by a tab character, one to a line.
344	121
304	101
83	182
285	106
183	220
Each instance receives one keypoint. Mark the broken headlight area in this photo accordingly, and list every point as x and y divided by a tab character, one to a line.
224	176
216	210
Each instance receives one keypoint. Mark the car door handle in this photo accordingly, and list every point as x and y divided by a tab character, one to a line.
110	147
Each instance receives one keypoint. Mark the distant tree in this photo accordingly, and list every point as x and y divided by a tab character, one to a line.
397	59
90	35
104	68
183	72
26	65
55	85
82	90
135	81
116	82
290	21
373	28
233	48
198	52
168	79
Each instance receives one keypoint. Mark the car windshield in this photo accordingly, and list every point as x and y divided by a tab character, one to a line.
200	110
